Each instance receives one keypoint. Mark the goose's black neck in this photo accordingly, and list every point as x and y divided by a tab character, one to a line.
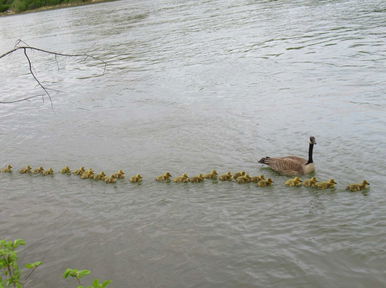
310	149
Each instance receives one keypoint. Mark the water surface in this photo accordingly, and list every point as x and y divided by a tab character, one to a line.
192	86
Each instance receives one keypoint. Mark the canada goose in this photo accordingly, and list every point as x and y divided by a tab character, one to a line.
164	178
212	175
295	182
265	183
310	182
136	179
226	177
325	185
7	169
357	187
48	172
66	170
25	170
292	165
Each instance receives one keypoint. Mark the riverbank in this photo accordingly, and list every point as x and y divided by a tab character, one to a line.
52	7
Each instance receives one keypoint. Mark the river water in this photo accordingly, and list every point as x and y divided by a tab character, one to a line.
192	86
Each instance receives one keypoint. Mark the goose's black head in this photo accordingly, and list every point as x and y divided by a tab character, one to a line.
312	140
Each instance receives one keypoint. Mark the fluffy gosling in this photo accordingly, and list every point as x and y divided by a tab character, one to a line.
310	182
25	170
294	182
212	175
265	183
7	169
330	184
66	170
184	178
358	187
48	172
136	179
226	177
256	179
197	179
164	178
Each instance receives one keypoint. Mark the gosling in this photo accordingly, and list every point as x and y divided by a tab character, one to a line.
184	178
79	171
238	174
100	176
48	172
7	169
256	179
197	179
39	170
265	183
25	170
212	175
310	182
120	174
330	184
164	178
110	179
136	179
295	182
66	170
226	177
358	187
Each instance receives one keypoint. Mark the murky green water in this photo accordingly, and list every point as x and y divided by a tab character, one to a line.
193	86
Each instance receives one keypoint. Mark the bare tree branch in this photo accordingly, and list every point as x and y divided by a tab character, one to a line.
21	45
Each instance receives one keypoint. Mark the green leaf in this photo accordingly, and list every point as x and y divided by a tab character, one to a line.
70	272
33	265
18	242
83	273
106	283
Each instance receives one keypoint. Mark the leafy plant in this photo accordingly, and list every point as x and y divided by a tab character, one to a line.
11	274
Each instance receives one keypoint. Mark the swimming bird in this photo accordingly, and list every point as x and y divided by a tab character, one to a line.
197	179
295	182
66	170
310	182
39	170
226	177
265	183
212	175
25	170
238	174
256	179
243	179
100	176
110	179
357	187
326	185
79	171
120	174
164	178
48	172
184	178
136	179
7	169
292	165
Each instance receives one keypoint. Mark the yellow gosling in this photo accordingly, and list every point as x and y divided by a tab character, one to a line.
330	184
212	175
100	176
79	171
295	182
7	169
256	179
136	179
310	182
39	170
197	179
66	170
25	170
48	172
243	179
226	177
184	178
110	180
120	174
265	183
238	174
164	178
358	187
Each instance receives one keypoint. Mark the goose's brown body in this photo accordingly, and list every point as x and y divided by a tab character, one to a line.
292	165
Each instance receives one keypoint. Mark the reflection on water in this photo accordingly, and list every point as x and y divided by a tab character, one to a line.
193	86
